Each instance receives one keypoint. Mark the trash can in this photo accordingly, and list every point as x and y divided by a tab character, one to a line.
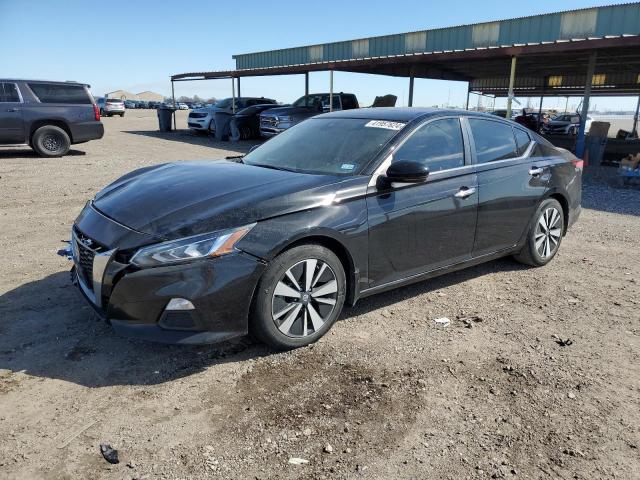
222	120
165	118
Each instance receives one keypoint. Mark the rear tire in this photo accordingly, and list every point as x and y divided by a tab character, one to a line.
50	141
299	297
544	235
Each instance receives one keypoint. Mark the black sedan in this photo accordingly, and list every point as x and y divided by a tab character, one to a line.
339	207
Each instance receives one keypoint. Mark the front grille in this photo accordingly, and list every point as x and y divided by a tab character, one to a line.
197	115
86	251
268	121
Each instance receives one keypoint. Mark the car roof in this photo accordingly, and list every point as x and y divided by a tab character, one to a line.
57	82
402	114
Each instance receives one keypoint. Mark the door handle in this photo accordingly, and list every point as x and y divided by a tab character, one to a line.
535	171
13	109
464	192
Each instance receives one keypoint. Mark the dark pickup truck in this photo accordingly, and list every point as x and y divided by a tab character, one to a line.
47	116
276	120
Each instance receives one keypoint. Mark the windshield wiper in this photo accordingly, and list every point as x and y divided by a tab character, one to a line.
272	167
235	158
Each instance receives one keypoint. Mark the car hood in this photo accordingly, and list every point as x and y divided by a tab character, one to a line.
289	110
180	199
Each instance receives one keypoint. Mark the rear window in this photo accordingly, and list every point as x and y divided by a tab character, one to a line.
55	93
113	100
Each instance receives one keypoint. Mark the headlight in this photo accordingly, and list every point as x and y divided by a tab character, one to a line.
190	248
283	119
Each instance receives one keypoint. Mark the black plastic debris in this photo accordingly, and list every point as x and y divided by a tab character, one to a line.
564	343
109	454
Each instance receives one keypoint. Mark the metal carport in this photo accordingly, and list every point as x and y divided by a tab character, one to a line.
585	52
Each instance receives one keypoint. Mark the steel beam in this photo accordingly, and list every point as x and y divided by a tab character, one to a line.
411	81
512	79
591	68
239	94
634	130
331	90
233	95
173	97
306	83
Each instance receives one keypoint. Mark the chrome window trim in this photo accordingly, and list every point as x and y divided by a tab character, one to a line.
382	168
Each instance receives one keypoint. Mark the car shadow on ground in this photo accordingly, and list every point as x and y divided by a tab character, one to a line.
26	152
204	139
47	330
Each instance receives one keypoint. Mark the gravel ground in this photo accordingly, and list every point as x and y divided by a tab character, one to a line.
388	393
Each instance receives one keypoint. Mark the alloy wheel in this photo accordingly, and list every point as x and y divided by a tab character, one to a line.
52	142
304	298
548	232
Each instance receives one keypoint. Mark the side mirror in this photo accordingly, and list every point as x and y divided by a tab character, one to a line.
405	171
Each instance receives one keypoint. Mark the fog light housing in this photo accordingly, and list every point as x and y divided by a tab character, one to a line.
179	304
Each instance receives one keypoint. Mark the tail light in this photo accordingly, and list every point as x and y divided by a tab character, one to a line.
578	163
96	112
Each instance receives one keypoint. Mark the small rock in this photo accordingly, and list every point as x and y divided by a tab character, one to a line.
328	448
297	461
306	432
571	395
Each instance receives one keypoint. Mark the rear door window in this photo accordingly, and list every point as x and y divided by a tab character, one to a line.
494	140
522	140
57	93
9	93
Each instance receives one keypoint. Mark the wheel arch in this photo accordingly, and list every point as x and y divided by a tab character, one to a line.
339	249
54	122
564	203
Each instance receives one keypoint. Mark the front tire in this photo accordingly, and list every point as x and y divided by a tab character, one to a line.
299	297
50	141
544	236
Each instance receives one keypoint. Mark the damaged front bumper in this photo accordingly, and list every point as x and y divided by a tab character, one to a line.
204	301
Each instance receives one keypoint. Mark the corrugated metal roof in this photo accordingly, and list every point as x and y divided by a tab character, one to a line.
587	23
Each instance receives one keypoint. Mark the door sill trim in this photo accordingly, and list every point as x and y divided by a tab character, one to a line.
438	271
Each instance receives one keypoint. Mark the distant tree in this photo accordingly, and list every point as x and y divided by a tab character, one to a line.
212	100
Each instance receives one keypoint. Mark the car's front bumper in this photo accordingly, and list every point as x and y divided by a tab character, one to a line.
135	301
199	123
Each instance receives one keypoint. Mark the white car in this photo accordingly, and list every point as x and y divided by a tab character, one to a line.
182	106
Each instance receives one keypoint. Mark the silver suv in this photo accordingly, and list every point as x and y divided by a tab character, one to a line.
110	106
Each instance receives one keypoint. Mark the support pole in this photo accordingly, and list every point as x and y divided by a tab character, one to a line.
512	78
591	68
173	98
634	130
466	105
411	80
306	83
233	95
540	114
239	95
331	90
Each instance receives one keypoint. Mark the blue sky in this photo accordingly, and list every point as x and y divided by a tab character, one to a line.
136	45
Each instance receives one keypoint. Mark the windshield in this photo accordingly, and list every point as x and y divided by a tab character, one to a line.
335	146
563	118
225	103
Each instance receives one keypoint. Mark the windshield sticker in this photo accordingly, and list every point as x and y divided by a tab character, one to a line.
348	166
384	124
